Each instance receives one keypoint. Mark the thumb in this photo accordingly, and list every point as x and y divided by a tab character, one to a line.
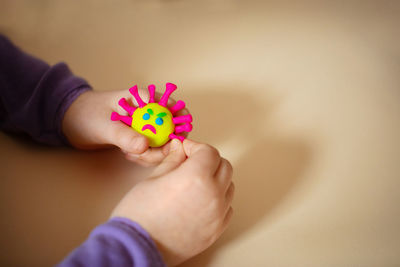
127	139
174	159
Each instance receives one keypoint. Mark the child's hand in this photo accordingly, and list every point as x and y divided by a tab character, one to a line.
87	125
186	204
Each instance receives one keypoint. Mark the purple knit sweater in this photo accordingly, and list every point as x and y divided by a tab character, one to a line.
34	98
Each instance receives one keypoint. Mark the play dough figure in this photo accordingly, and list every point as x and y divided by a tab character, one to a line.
155	120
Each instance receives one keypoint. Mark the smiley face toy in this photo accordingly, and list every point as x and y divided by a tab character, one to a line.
155	120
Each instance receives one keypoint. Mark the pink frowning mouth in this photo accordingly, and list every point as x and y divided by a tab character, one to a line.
149	127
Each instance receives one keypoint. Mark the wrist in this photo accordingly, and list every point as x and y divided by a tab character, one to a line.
73	117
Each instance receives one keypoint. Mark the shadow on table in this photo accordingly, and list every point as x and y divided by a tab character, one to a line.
268	170
56	196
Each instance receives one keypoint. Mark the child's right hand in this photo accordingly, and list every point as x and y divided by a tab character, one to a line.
186	204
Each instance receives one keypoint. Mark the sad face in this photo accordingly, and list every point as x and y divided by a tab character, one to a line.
155	122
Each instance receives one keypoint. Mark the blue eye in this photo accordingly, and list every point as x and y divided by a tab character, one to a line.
159	121
146	116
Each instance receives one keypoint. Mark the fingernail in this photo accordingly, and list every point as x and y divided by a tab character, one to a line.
175	143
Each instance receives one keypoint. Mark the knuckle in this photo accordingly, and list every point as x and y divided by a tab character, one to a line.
232	188
212	151
138	144
228	166
124	140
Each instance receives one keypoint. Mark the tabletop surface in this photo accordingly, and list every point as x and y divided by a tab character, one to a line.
303	98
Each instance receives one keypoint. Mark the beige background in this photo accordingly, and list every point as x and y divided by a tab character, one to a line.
303	98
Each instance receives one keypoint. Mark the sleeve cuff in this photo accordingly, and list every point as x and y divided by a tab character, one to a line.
118	242
69	98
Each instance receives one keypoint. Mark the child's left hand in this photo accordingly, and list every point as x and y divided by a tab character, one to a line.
87	125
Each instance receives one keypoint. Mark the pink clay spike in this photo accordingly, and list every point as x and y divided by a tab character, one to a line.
152	91
174	136
124	104
125	119
178	106
182	119
135	93
187	127
170	87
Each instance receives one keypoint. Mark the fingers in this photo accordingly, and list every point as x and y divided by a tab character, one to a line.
227	219
174	159
127	139
202	159
230	192
223	175
205	160
152	156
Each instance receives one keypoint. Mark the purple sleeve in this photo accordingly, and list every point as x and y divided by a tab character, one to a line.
119	242
35	96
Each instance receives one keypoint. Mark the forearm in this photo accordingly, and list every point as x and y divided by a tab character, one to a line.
35	96
119	242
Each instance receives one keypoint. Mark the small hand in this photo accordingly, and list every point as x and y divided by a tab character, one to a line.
186	203
87	125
